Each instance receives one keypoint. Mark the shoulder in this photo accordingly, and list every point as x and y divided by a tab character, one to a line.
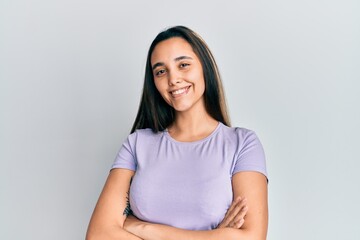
239	134
249	152
243	140
146	132
139	142
143	135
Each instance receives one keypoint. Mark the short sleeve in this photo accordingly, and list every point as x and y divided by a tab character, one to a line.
251	156
126	157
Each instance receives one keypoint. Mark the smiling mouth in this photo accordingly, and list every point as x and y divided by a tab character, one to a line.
180	91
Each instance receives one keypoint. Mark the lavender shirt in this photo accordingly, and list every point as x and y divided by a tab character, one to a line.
187	184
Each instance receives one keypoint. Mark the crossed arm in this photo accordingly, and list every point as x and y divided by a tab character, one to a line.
108	221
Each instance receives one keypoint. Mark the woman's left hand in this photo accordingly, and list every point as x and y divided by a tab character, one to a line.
234	217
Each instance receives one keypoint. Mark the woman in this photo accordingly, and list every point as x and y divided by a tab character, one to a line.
183	173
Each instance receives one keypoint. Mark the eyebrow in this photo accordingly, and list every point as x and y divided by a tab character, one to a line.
158	64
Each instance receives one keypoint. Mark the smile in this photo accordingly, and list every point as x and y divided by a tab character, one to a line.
180	91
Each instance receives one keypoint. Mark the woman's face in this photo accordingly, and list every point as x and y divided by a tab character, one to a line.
178	74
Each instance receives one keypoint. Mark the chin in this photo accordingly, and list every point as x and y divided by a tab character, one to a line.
181	108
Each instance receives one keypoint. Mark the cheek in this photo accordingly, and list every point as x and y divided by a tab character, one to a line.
159	87
200	83
198	76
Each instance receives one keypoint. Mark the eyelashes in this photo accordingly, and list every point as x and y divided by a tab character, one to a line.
162	71
183	65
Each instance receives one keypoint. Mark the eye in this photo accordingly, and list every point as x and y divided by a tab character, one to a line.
184	65
160	72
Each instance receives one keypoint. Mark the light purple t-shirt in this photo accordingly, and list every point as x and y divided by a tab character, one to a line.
187	184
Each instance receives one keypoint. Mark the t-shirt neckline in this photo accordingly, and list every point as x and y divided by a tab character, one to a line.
166	133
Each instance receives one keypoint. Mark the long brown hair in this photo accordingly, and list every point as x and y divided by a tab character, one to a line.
154	112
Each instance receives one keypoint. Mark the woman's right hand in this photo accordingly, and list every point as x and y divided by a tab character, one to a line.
234	217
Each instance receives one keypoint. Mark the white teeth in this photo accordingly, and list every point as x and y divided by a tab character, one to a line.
179	91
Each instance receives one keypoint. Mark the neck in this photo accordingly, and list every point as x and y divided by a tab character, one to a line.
192	125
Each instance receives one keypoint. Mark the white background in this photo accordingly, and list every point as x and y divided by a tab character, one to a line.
71	74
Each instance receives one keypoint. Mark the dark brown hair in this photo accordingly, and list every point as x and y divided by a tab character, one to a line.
154	112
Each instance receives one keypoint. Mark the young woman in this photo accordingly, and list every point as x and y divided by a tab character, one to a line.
183	172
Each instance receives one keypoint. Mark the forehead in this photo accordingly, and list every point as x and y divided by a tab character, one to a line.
170	49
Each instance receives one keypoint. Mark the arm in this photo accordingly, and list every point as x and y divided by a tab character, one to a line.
110	212
253	185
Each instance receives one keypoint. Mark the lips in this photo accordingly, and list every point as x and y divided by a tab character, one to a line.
179	92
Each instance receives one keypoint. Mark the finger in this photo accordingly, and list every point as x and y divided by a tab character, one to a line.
237	208
237	224
240	215
227	219
234	212
240	223
239	220
232	206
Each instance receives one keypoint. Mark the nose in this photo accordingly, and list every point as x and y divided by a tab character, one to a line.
174	78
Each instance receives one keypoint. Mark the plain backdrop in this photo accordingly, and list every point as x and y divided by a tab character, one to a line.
71	76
